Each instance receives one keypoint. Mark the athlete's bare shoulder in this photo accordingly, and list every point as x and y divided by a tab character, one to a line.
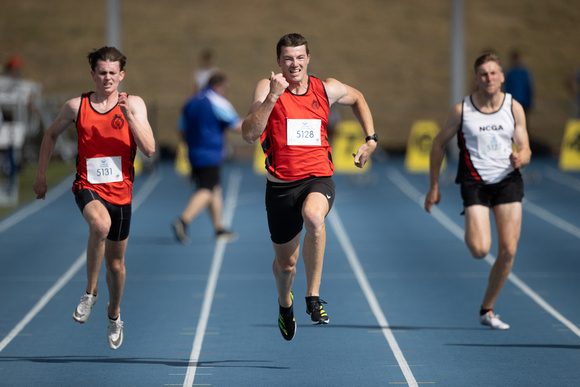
70	110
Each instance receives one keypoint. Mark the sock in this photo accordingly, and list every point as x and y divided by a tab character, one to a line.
484	311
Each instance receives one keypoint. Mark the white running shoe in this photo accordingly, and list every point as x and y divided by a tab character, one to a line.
180	230
493	321
115	332
83	310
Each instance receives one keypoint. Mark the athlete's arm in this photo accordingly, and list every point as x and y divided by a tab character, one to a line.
342	94
449	129
266	94
67	115
522	156
135	112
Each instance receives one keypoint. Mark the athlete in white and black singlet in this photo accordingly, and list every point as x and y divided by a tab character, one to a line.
487	123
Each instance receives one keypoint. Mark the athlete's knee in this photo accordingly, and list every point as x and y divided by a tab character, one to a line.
116	266
100	227
479	254
507	253
477	250
313	220
478	245
284	266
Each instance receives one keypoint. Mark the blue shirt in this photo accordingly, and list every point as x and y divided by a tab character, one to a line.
519	84
204	119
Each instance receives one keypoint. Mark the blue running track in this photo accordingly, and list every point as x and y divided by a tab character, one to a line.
403	292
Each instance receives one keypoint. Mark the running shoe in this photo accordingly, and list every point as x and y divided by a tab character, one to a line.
83	310
226	235
180	229
115	332
316	311
492	320
286	321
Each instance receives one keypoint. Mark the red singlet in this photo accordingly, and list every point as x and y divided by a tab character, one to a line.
295	141
106	153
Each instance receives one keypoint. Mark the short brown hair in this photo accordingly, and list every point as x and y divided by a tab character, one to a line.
106	54
291	40
484	58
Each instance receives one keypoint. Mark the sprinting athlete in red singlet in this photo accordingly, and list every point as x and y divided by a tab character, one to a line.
487	123
295	141
111	126
289	114
106	152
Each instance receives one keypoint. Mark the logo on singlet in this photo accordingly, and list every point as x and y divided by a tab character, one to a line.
315	105
490	127
117	122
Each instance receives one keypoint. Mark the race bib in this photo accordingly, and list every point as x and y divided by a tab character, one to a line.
303	132
104	170
492	146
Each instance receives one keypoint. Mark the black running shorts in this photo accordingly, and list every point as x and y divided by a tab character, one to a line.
284	205
509	190
206	177
120	215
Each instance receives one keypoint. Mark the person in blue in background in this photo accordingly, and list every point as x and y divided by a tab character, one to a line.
518	82
205	118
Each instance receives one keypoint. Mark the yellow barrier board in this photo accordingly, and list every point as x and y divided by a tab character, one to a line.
137	165
182	165
419	146
570	153
348	137
259	159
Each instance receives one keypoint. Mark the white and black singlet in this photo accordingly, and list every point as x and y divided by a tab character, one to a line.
485	143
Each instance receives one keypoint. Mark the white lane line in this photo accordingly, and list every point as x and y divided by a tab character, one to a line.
37	205
344	240
551	218
403	184
234	182
65	278
562	178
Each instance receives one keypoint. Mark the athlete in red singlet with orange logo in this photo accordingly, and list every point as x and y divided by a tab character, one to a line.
111	126
103	165
289	114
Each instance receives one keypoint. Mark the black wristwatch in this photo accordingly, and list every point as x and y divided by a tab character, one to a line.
373	137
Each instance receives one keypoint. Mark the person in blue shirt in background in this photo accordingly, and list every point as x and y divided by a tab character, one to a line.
205	118
518	82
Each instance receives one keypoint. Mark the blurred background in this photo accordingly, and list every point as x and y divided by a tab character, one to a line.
398	53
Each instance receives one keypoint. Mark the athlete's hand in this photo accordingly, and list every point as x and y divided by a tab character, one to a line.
363	154
516	160
40	187
432	197
123	103
278	84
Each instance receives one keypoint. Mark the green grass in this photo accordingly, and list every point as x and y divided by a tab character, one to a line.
26	176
